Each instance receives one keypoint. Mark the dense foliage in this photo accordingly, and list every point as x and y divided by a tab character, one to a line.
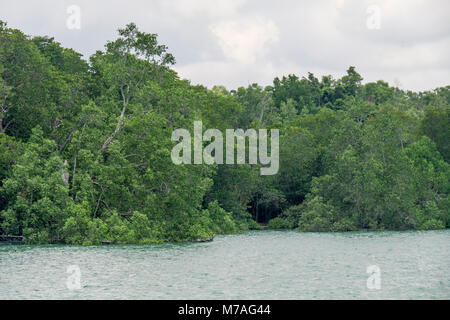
85	149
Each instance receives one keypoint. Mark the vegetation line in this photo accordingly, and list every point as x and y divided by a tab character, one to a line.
85	149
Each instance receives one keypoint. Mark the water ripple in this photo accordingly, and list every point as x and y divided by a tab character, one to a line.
257	265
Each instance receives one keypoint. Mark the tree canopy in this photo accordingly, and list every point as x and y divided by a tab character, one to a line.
85	149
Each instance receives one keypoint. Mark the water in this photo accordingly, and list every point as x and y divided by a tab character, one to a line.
257	265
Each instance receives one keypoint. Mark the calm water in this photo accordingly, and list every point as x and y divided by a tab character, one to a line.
257	265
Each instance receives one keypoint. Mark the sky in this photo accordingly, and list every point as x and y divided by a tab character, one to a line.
239	42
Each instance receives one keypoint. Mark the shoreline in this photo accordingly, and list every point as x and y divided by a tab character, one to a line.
205	240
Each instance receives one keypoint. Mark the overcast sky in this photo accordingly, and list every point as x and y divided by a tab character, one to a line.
239	42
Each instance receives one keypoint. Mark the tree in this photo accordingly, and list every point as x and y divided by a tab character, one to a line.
351	82
435	124
38	198
127	64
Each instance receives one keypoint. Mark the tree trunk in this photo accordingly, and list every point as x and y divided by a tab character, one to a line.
113	135
126	99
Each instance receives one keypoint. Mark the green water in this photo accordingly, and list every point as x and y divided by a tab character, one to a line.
257	265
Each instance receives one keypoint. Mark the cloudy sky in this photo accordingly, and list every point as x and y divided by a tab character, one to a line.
239	42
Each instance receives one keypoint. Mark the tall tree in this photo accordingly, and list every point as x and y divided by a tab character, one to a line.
127	64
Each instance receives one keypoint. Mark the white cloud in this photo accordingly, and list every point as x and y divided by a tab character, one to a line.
245	41
192	8
237	42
